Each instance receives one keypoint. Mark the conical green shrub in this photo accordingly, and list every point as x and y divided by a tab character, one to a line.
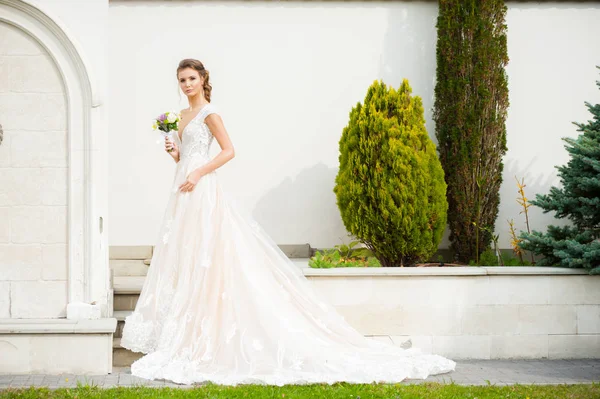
390	187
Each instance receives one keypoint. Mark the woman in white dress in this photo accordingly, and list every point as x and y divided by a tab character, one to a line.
222	303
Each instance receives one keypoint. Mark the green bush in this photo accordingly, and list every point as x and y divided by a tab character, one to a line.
344	255
390	186
489	258
470	109
332	258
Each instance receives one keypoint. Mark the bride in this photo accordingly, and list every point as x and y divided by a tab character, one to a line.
222	303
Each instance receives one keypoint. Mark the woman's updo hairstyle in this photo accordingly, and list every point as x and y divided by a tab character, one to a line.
197	66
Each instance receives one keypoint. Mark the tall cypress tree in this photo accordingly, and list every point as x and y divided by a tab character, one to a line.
471	101
577	245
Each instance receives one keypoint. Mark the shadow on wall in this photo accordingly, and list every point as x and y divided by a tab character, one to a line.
303	209
409	52
538	184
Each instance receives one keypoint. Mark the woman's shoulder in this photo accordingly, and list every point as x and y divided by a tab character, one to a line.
209	109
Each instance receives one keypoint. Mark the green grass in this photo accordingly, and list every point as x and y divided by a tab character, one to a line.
337	391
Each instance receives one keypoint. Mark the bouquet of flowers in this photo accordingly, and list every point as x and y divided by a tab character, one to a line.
167	123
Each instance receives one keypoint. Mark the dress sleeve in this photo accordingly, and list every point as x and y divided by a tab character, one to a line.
209	109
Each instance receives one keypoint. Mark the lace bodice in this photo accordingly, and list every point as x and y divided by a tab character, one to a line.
196	137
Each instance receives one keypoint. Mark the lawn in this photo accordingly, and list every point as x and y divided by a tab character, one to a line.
337	391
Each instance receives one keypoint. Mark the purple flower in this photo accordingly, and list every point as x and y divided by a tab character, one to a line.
162	117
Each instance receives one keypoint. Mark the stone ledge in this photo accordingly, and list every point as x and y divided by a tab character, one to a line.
442	271
53	354
133	284
57	326
533	270
120	315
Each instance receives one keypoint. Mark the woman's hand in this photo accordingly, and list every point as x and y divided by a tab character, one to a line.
172	149
191	181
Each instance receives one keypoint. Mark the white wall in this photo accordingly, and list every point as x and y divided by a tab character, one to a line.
553	50
285	76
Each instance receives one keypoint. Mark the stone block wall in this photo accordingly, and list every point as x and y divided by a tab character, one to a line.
33	180
476	313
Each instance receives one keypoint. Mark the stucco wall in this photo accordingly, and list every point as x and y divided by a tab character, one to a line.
285	76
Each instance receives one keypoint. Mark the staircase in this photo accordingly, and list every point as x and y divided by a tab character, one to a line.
129	267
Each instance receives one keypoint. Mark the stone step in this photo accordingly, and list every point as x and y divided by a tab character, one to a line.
126	294
128	285
119	331
125	301
127	290
134	260
297	251
130	252
120	315
123	357
145	251
132	284
129	267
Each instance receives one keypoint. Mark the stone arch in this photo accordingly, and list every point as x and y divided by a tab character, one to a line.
81	99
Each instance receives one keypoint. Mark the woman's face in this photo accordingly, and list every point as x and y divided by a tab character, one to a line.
190	82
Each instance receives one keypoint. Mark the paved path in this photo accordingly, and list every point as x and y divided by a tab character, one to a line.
468	372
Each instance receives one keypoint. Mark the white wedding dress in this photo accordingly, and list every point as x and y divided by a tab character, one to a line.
222	303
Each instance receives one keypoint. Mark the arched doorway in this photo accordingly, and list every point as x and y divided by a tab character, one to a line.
56	249
35	30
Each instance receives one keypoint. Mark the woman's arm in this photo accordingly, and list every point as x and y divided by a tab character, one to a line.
215	124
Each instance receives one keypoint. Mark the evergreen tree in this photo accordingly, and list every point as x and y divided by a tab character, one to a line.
577	245
390	186
471	101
